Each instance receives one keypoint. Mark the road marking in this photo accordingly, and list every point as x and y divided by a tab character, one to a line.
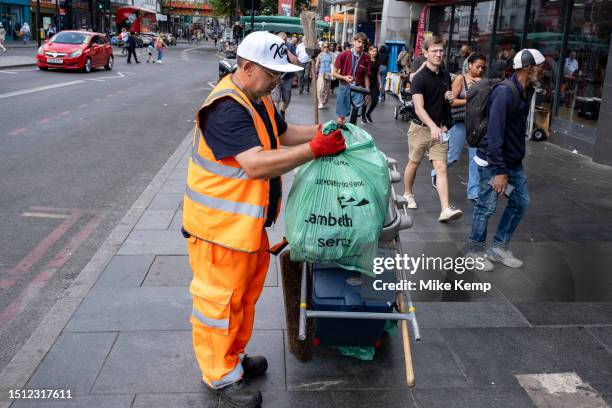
39	89
8	72
64	113
33	288
45	120
103	79
83	105
44	215
18	131
560	390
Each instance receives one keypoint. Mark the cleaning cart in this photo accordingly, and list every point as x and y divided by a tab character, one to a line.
328	305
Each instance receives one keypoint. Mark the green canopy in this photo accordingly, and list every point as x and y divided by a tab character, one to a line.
290	25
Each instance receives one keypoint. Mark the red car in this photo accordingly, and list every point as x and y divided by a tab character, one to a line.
81	50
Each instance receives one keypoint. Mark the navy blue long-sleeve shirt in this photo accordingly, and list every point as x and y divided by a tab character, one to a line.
504	144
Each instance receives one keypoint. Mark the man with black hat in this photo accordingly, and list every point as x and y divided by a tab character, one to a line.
500	161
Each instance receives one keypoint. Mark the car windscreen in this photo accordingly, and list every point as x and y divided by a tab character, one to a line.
70	38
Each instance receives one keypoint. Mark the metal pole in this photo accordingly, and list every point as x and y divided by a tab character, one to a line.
252	15
356	10
38	22
470	24
526	24
494	34
450	38
344	24
567	14
57	16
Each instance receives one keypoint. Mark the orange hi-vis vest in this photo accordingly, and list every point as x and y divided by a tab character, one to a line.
222	204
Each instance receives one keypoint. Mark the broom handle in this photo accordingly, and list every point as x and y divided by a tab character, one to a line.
406	342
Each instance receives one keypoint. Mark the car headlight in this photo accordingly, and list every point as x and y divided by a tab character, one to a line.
40	50
76	53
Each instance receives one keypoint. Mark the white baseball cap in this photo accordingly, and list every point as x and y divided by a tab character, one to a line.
527	57
268	50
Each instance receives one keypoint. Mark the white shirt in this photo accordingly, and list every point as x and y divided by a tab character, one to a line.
571	66
302	57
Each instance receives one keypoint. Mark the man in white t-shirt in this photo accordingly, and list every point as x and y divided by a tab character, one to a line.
571	65
305	62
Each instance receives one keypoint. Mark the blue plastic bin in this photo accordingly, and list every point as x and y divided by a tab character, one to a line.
394	47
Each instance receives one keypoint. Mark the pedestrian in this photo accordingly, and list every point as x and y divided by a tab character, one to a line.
123	39
25	29
233	192
51	30
150	49
323	69
215	39
131	47
305	62
432	98
2	37
476	68
160	45
461	64
383	59
334	48
351	68
500	162
281	94
374	75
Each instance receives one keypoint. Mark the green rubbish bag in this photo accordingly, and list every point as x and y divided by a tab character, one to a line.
337	205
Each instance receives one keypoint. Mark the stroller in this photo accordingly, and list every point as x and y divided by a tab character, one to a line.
405	108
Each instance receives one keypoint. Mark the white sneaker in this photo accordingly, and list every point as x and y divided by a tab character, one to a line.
450	214
411	202
480	259
504	256
321	106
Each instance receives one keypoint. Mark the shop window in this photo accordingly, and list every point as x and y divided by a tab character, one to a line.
584	65
545	33
460	34
508	37
482	27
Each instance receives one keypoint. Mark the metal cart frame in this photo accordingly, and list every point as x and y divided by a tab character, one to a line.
396	220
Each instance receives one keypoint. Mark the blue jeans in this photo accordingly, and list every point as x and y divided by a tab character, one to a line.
473	175
160	54
485	207
383	76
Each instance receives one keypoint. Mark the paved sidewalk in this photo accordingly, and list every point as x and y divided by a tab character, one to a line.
120	336
10	61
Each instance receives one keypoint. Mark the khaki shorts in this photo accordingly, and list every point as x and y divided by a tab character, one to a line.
419	142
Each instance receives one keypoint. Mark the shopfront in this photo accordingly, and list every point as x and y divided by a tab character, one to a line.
574	36
13	13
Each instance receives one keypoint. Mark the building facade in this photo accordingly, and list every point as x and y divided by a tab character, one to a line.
573	35
13	13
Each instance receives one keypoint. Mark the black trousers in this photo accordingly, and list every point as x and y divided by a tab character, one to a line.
367	109
132	51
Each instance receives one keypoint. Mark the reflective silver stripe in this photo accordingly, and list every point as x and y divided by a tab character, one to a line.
207	321
219	169
254	211
233	376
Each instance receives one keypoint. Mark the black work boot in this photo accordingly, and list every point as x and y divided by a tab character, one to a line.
254	366
238	395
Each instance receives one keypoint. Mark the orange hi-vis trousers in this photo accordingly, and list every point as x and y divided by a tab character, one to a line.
225	287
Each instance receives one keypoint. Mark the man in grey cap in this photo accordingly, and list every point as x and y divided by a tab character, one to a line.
500	161
233	193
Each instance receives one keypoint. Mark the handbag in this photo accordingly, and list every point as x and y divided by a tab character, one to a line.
458	113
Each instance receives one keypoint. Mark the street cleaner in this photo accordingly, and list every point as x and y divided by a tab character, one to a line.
233	193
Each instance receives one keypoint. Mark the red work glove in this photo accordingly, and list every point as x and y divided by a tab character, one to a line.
327	145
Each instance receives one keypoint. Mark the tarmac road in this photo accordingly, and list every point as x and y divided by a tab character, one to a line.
76	150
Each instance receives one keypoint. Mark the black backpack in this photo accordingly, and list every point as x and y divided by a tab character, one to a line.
477	107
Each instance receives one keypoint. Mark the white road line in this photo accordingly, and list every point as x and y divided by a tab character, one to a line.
8	72
44	215
39	89
103	79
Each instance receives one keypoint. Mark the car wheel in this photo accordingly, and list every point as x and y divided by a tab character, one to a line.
43	68
87	67
109	64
